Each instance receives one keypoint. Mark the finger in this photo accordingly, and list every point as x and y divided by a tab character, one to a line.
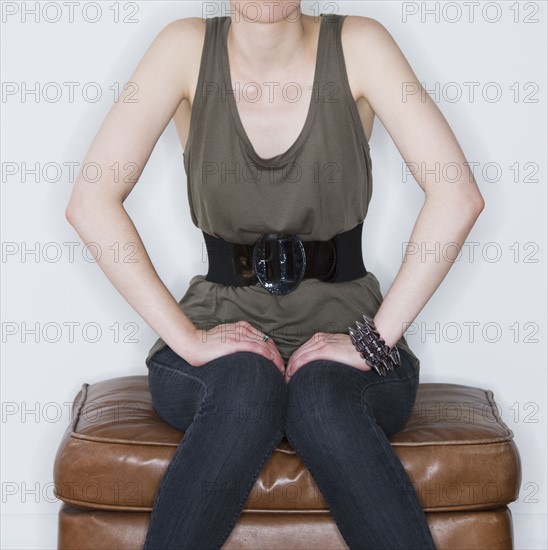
277	358
310	342
265	351
250	333
271	353
258	343
298	362
296	365
297	355
280	363
269	341
334	351
315	341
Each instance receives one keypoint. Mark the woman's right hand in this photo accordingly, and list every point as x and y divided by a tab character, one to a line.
227	338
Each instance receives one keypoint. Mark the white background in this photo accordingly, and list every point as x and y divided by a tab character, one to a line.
499	46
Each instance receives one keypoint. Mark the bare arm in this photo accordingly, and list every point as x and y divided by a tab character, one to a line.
128	135
424	138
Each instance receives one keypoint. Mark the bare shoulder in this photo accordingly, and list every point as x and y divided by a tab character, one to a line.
180	44
373	49
181	36
184	29
363	30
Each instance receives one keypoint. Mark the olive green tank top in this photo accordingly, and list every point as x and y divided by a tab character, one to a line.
319	187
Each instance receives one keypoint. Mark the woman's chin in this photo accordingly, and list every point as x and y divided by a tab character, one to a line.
266	11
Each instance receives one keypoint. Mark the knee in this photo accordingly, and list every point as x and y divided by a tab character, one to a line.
321	395
247	387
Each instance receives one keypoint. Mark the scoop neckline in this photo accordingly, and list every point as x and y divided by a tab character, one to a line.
233	108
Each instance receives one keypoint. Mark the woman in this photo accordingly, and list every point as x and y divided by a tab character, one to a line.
279	177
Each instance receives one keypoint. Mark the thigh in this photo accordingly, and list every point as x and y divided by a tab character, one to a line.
176	388
389	399
241	385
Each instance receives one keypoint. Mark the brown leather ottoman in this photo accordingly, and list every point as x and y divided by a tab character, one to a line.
458	453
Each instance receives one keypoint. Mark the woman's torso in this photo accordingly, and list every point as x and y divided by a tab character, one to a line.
330	134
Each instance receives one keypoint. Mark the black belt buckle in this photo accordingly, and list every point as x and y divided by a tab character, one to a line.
279	261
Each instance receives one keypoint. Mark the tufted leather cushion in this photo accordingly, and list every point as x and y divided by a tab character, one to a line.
457	451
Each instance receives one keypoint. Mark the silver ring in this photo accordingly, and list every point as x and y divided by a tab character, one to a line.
266	338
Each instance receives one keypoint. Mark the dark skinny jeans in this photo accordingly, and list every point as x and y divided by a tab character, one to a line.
234	411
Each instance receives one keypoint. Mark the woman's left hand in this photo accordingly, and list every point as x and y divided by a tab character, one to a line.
325	345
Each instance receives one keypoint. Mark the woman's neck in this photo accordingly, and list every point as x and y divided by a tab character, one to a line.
267	49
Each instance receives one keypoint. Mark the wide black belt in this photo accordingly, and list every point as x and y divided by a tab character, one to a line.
279	261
